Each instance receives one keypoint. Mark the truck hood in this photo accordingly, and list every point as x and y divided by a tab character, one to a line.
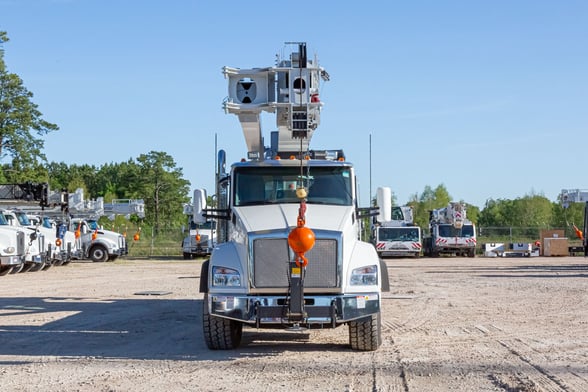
284	216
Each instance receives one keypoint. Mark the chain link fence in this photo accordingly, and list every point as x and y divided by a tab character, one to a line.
148	242
167	242
521	234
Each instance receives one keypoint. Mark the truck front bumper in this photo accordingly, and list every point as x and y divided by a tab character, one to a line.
324	310
10	260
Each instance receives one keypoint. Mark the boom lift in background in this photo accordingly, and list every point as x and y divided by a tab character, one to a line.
450	232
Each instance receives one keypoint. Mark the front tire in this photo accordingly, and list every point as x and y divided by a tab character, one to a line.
99	254
5	269
220	333
366	334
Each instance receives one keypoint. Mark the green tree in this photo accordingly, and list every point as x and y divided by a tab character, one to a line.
429	200
528	211
568	218
163	188
20	120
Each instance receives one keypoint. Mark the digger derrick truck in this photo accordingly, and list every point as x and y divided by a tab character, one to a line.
394	231
450	232
288	254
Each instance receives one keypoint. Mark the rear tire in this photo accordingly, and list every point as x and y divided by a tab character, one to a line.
220	333
366	334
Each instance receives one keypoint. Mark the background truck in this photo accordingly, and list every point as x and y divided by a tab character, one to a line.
35	255
58	245
76	228
394	231
95	243
288	252
13	243
201	236
450	232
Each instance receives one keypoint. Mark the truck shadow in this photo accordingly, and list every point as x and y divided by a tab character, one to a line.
519	271
144	329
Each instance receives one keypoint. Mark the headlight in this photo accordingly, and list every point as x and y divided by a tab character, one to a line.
222	276
10	249
364	276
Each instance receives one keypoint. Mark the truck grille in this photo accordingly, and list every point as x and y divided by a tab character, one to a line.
20	243
272	255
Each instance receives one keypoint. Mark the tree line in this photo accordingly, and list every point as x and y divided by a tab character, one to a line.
531	210
153	177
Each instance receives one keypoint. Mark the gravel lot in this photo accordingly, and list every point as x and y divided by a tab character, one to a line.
449	324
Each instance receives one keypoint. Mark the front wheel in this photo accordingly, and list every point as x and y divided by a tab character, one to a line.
220	333
99	254
366	334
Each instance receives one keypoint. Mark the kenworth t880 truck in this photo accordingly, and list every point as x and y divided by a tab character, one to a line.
288	253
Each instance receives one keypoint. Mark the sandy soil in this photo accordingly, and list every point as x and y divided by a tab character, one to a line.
448	325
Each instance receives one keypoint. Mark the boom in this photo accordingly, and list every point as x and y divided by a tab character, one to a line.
290	89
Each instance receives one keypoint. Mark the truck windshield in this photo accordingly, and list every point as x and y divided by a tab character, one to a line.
269	185
23	219
398	234
210	225
467	231
3	221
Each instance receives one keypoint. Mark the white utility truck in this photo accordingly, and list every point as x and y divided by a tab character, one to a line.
13	245
76	234
395	233
288	254
36	256
202	235
450	232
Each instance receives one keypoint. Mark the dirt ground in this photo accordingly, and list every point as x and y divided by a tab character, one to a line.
449	324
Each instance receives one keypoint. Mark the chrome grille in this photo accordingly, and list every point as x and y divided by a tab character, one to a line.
20	243
271	257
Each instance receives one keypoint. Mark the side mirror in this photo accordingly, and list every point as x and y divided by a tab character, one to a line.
199	205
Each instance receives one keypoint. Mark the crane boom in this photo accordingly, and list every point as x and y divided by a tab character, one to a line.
290	89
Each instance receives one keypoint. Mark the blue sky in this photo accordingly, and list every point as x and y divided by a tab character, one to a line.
488	98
